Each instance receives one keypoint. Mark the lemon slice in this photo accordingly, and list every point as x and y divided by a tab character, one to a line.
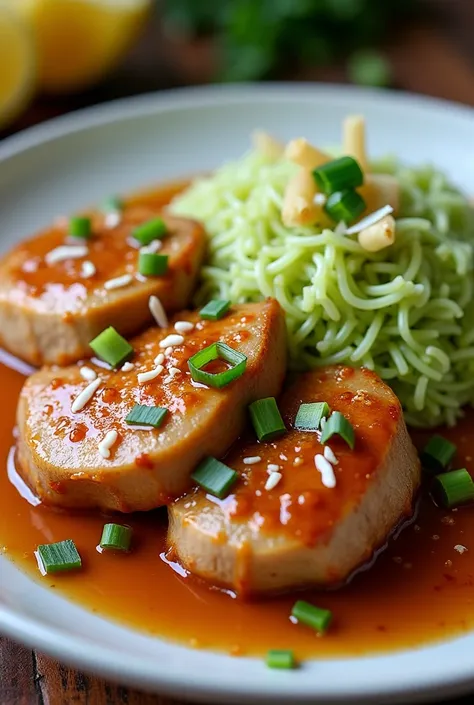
17	65
79	41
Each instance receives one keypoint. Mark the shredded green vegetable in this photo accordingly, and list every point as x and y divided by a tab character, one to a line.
405	312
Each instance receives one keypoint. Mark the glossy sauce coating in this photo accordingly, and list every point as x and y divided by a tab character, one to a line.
111	249
420	577
310	514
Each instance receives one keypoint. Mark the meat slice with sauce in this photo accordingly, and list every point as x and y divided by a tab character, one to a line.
301	532
51	308
60	453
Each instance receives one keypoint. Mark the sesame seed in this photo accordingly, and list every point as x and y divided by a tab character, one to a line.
329	455
183	326
112	219
173	371
159	359
106	443
328	477
128	366
273	480
88	270
251	460
283	457
168	351
85	396
88	373
118	282
64	252
272	467
297	461
158	312
171	341
152	248
460	548
144	377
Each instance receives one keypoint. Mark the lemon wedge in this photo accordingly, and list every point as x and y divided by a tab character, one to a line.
17	65
79	41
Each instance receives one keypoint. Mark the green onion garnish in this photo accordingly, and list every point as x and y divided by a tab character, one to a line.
215	477
116	537
217	351
142	415
112	204
80	226
111	347
314	617
337	424
309	416
437	454
338	175
58	557
151	264
153	229
453	488
266	419
345	206
280	658
215	309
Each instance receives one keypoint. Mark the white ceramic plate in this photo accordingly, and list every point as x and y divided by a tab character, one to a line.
71	162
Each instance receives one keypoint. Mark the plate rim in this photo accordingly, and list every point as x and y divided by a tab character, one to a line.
75	649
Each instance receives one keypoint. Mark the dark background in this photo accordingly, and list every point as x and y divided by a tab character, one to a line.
431	53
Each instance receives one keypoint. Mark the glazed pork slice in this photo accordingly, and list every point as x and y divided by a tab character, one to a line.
303	531
53	301
60	452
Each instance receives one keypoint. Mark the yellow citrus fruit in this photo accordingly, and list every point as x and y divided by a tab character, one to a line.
79	41
17	65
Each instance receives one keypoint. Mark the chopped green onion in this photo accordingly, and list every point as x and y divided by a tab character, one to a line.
266	419
142	415
337	424
112	204
280	658
345	206
338	175
453	488
215	477
151	264
153	229
309	416
369	68
111	347
314	617
80	226
437	454
58	557
116	537
214	352
214	310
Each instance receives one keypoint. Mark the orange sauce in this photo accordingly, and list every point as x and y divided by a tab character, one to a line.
419	590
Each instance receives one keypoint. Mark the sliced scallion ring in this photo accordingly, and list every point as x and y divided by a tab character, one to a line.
215	309
437	454
111	347
266	419
80	227
59	557
309	416
451	489
345	206
215	477
151	264
337	424
116	537
338	175
142	415
314	617
280	658
112	204
215	351
153	229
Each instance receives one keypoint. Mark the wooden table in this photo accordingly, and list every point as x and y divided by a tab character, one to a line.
435	59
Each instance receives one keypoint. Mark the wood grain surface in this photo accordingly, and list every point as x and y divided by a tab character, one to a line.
435	59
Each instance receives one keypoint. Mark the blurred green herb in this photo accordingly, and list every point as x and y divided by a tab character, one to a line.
264	38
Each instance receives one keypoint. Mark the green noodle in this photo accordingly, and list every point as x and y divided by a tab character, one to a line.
406	312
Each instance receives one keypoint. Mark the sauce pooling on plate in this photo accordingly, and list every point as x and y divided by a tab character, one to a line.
419	590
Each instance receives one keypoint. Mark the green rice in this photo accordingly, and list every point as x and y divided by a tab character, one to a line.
405	312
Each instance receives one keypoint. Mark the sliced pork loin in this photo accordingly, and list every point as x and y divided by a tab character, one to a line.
54	301
304	531
59	452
